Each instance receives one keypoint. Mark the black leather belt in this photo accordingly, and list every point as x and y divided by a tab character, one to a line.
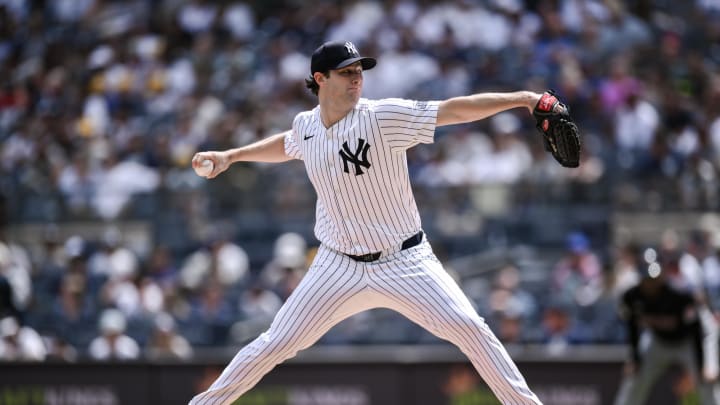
371	257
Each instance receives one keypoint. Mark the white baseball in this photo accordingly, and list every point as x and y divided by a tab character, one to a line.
206	167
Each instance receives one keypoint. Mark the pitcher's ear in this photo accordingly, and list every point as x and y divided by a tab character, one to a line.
319	77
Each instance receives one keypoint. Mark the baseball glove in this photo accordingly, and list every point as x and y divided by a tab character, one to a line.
561	135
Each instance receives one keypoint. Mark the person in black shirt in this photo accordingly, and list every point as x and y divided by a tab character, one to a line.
664	329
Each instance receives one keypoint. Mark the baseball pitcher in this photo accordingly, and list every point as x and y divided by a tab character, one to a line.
373	251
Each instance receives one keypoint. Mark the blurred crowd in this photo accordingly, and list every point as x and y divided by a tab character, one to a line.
77	298
103	103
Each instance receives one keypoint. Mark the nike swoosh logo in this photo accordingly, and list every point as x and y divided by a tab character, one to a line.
305	138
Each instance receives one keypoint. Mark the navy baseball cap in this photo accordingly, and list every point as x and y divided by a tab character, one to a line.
338	54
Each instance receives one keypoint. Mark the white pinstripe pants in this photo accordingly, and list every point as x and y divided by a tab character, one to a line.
411	282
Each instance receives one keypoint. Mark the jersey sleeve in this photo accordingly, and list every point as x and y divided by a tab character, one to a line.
406	123
292	146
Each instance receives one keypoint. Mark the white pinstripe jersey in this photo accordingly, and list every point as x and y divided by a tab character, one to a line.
358	168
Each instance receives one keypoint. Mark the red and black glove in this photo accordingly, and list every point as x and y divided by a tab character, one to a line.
561	135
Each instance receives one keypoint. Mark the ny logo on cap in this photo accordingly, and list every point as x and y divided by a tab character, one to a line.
351	48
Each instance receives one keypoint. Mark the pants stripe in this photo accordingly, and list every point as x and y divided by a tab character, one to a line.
305	309
411	282
430	304
434	322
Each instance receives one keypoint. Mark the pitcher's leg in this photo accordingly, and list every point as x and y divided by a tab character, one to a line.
420	289
326	295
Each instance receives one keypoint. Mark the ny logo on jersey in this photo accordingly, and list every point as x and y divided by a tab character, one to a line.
351	48
359	158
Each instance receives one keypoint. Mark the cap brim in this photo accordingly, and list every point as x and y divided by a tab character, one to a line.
367	63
